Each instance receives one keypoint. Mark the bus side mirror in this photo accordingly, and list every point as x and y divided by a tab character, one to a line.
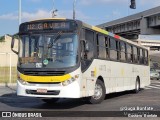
12	45
86	47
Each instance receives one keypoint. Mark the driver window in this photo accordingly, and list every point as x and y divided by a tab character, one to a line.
89	37
87	46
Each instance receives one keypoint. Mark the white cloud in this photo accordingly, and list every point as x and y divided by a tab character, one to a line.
37	15
47	14
149	2
10	16
142	3
91	2
35	0
27	16
69	14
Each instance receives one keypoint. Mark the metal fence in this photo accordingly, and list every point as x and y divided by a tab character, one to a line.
8	69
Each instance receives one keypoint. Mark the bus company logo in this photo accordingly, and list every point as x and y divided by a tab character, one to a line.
6	114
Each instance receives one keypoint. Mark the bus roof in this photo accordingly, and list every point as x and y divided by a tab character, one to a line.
96	29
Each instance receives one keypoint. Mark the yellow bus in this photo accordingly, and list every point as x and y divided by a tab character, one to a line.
65	58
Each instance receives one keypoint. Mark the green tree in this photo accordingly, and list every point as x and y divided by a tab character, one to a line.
2	39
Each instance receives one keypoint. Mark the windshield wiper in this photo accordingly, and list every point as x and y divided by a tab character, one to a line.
58	35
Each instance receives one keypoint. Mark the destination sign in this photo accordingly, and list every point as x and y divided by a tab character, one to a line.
39	26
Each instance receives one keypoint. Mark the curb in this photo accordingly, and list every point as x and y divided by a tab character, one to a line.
8	84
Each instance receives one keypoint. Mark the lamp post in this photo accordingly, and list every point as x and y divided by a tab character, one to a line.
20	13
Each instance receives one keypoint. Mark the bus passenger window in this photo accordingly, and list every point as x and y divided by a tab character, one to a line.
132	59
117	50
113	49
141	56
129	53
122	51
107	46
146	57
138	56
101	47
135	56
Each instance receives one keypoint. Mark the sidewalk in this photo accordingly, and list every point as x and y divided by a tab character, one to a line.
8	84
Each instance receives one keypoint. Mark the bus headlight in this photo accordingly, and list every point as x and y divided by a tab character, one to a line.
20	80
23	82
69	81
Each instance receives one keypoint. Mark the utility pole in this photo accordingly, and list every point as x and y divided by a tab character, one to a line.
20	12
74	13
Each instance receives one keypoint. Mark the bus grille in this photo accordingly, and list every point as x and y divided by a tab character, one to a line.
44	73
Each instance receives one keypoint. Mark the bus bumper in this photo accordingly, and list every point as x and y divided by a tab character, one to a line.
53	90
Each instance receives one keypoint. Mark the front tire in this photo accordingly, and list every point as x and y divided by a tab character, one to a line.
99	93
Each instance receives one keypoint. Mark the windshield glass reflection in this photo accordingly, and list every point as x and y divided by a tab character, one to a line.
49	51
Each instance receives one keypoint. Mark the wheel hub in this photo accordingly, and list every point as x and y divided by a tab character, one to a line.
137	86
97	92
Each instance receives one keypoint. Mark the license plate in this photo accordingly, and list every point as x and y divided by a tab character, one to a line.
41	90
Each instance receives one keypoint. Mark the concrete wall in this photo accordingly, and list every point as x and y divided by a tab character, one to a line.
6	54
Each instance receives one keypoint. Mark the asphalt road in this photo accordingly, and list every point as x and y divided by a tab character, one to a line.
148	97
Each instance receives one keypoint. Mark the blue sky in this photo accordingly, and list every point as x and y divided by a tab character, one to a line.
93	12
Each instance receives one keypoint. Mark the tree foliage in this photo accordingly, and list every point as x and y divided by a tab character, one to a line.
2	39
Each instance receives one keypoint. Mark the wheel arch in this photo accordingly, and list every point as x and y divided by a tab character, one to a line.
92	99
101	79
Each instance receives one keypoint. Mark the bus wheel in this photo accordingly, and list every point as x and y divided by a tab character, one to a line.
137	86
50	101
99	93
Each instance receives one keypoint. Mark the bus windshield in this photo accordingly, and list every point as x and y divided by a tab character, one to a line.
48	50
